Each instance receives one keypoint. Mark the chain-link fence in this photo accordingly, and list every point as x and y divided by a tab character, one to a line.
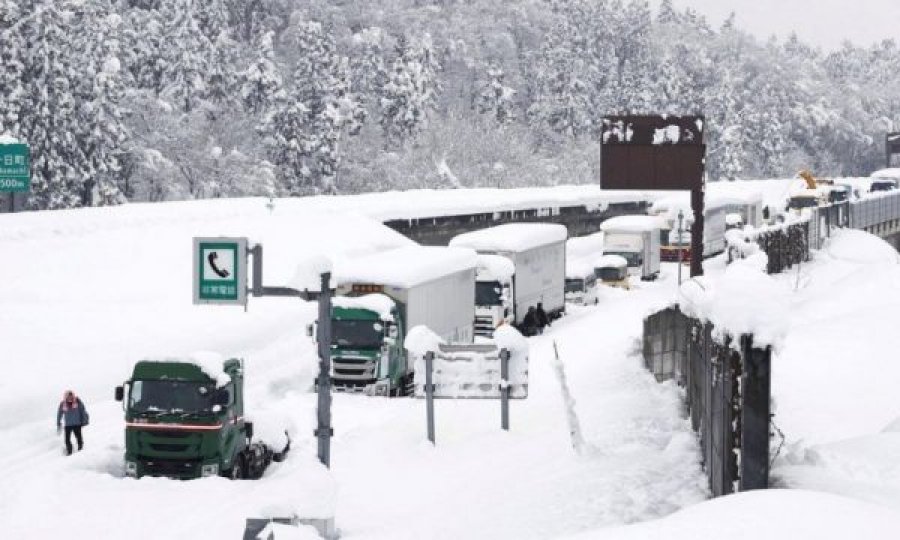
727	385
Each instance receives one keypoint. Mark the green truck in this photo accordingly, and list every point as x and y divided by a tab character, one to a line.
381	297
184	418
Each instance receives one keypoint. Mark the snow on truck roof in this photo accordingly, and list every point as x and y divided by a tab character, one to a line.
512	237
632	224
611	261
578	268
406	266
887	174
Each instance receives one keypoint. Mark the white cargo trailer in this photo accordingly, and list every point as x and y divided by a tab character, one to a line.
538	255
637	240
382	296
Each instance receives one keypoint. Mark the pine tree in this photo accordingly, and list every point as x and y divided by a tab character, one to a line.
305	130
410	91
187	55
261	83
494	98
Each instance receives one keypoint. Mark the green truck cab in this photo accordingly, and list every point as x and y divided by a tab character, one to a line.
185	419
367	349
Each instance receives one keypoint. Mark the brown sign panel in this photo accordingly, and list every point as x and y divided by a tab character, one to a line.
671	167
652	152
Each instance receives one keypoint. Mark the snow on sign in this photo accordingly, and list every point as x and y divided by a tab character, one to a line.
220	271
15	169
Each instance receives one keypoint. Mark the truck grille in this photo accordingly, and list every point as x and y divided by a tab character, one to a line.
346	370
164	447
170	467
484	326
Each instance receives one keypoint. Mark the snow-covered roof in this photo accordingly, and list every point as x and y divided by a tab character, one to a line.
405	267
734	219
578	268
8	139
495	267
376	302
611	261
584	246
512	237
887	174
632	224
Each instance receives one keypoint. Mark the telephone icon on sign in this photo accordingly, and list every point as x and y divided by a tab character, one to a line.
222	273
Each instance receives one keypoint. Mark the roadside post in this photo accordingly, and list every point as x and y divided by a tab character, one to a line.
221	278
15	170
680	244
504	389
429	394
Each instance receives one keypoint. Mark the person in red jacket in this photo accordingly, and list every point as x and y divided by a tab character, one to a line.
72	416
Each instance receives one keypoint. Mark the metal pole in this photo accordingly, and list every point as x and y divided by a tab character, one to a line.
324	431
680	245
429	394
697	232
504	389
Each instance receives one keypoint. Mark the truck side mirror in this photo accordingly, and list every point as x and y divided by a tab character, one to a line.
248	429
310	331
392	332
120	393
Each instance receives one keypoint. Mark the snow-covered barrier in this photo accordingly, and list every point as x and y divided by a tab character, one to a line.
470	370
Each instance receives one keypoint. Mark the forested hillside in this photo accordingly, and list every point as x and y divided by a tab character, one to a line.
149	100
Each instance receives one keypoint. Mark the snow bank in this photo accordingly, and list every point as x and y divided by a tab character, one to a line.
633	224
861	247
611	261
308	276
507	337
421	340
495	267
512	237
584	246
8	139
376	303
892	173
744	300
405	267
773	513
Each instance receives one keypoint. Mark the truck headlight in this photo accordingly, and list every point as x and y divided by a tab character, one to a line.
130	468
209	470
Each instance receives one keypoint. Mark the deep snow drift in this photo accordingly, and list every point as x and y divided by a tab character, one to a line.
87	293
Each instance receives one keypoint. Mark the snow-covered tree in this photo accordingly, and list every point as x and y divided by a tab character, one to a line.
494	98
410	91
188	55
261	83
305	129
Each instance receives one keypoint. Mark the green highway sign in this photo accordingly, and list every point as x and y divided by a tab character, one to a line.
220	271
15	168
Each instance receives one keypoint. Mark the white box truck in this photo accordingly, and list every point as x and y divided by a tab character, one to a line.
537	252
380	298
637	240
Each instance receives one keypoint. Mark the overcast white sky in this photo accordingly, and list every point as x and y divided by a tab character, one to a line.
826	23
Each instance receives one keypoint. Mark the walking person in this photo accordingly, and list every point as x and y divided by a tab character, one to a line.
541	318
71	416
529	322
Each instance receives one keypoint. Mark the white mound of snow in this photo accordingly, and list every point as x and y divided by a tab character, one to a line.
495	267
308	276
633	224
512	237
421	340
773	513
861	247
405	267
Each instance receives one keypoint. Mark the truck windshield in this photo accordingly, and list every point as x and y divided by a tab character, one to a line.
488	293
362	334
171	396
633	258
610	273
574	285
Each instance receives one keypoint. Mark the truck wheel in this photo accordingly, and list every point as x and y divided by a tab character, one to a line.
237	469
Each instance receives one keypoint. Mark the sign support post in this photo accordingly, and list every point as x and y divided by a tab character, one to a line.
504	389
429	394
324	431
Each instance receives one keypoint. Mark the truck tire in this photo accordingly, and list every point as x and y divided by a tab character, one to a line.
237	471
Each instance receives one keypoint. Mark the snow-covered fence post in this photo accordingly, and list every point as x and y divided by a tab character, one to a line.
429	394
504	389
